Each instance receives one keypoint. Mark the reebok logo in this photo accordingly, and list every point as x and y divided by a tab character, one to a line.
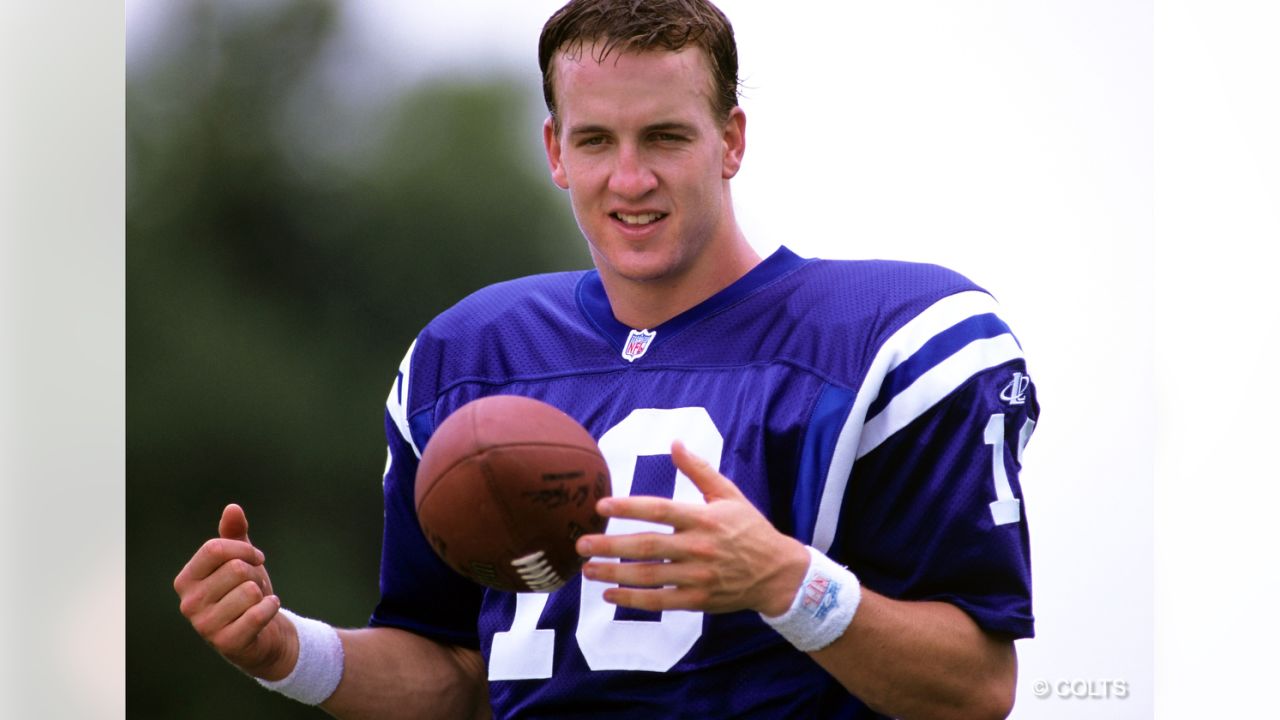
1015	393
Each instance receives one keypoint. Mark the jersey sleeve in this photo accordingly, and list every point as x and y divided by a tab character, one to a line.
933	507
419	592
936	512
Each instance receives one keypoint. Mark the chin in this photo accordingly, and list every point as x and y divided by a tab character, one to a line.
644	266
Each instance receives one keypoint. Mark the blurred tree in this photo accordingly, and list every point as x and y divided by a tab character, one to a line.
272	289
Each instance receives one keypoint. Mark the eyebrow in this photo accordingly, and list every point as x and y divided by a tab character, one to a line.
669	126
587	129
666	126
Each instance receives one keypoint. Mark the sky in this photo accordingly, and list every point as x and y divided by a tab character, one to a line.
1118	214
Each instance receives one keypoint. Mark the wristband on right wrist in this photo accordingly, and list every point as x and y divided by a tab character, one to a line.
318	670
823	606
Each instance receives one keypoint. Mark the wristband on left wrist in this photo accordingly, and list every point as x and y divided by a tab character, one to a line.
823	606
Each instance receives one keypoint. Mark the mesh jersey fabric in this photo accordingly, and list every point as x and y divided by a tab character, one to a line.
874	409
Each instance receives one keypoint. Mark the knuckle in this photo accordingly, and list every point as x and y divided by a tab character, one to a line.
606	572
250	590
712	522
646	573
703	576
663	513
703	519
205	627
646	546
223	642
702	548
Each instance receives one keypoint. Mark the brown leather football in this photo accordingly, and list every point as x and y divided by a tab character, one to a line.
505	487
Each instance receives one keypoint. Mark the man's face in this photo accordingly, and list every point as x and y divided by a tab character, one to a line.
645	162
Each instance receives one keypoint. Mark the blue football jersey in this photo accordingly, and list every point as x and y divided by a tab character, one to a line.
875	410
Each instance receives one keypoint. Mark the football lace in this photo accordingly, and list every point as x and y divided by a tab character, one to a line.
537	572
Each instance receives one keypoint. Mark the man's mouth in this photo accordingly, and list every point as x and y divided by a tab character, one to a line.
641	219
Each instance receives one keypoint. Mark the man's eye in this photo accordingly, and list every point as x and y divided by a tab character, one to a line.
667	137
593	141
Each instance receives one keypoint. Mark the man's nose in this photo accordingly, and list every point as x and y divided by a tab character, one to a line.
631	176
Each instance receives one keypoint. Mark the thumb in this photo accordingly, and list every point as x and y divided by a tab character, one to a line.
707	479
233	525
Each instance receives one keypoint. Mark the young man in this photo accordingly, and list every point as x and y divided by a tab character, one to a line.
817	414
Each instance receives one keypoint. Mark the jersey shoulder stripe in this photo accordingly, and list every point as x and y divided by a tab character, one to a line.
397	399
933	386
938	349
917	366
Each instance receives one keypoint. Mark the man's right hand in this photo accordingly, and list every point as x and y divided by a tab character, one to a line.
226	594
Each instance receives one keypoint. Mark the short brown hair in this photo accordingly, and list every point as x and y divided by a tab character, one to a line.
643	25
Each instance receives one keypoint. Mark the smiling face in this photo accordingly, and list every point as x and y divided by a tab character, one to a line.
647	166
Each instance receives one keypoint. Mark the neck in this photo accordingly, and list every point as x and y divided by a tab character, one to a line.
644	304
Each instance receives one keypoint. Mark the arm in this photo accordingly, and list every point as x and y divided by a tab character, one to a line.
226	594
906	659
930	660
393	673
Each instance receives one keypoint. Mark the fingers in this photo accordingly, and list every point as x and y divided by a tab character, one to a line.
233	525
223	580
233	624
213	573
706	478
211	556
225	593
663	511
211	617
658	600
698	566
638	546
246	628
650	574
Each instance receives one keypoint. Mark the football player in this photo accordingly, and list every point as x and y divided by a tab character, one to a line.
816	506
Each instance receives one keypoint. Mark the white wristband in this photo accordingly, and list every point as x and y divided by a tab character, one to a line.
319	668
823	607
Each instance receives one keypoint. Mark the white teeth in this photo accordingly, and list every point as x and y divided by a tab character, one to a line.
644	219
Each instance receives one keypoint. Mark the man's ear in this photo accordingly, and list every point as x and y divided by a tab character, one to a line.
551	141
735	142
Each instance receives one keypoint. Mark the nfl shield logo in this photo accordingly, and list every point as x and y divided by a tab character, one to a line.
637	343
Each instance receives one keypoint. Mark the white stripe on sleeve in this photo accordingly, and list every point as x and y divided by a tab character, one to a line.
930	388
397	399
900	346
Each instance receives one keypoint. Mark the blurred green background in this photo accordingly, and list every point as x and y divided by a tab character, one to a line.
284	245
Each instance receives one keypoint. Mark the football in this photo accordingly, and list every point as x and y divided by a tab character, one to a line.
505	487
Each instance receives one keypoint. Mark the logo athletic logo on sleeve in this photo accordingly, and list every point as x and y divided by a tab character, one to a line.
1015	393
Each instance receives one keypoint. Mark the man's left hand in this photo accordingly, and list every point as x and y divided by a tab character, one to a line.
722	556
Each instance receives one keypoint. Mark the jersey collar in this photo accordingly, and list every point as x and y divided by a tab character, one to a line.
594	303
